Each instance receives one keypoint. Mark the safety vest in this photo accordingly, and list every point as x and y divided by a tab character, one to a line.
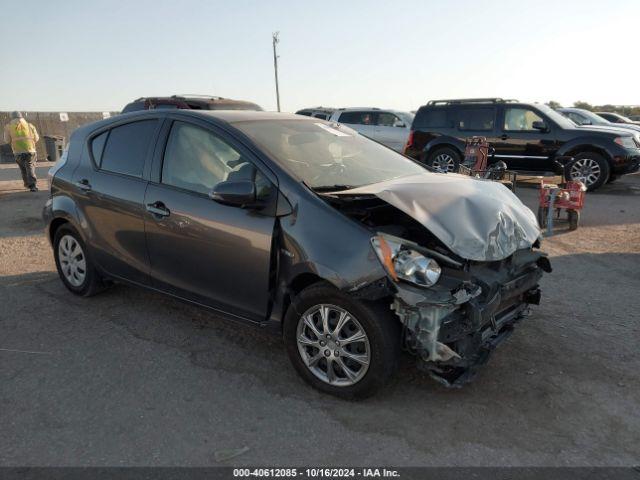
22	140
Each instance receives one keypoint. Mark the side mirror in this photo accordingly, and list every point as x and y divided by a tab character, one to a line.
400	125
586	122
235	193
540	125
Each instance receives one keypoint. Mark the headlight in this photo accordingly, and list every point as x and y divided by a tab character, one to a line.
404	263
626	142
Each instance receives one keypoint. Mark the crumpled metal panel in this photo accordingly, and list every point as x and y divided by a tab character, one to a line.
477	219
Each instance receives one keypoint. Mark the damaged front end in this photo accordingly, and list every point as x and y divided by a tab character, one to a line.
453	326
463	262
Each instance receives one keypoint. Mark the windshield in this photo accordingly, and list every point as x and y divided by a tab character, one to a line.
560	119
593	118
327	156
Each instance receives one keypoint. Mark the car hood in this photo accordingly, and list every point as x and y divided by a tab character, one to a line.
611	128
476	219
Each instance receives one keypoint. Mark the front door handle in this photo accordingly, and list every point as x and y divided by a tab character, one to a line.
504	136
158	209
83	185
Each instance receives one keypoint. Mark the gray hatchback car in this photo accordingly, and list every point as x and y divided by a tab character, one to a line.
348	249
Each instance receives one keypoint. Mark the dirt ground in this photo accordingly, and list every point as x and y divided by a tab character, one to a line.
133	378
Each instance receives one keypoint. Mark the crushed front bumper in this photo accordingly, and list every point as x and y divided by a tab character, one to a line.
453	328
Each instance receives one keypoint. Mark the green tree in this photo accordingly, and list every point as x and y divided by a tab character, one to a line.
553	104
583	105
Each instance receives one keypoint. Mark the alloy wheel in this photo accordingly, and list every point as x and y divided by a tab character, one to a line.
333	345
72	260
586	170
444	162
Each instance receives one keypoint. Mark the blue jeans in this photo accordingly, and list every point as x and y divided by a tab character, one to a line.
27	164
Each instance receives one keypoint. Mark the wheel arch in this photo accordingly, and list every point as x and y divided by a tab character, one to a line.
586	148
441	144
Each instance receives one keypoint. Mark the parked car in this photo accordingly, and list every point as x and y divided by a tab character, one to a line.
389	127
318	112
189	102
616	118
635	118
586	118
527	137
346	248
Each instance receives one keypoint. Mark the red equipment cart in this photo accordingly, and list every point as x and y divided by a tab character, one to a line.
476	164
568	196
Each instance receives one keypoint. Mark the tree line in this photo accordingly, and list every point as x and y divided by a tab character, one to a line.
625	110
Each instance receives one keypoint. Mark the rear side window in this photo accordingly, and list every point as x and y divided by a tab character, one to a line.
431	118
357	118
127	146
477	119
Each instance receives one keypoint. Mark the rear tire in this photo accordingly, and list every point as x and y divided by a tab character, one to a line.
74	265
542	216
313	355
574	219
444	159
589	167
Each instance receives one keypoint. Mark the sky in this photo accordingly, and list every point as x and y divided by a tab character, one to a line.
85	55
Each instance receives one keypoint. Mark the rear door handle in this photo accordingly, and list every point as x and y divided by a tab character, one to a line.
83	185
504	136
158	209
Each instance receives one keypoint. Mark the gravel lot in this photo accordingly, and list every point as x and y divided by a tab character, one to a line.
133	378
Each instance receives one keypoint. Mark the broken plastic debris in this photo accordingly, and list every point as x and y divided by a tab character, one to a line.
229	453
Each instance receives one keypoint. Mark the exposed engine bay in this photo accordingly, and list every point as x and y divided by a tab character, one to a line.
453	323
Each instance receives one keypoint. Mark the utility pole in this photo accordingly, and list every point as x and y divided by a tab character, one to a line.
275	65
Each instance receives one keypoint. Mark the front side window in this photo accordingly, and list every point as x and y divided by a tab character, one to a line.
578	119
386	119
357	118
126	148
197	160
520	119
477	119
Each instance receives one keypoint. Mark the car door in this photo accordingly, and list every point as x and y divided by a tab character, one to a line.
362	121
522	146
216	255
390	130
473	121
110	187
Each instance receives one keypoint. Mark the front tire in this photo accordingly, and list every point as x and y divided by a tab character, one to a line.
73	263
590	168
339	345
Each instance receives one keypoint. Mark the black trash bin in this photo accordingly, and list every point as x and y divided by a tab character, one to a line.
54	145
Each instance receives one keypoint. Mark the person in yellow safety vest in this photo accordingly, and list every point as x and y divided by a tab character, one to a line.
23	137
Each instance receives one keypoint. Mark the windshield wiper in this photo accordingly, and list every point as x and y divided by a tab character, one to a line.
333	188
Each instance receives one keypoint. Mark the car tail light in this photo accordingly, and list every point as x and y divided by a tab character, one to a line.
409	143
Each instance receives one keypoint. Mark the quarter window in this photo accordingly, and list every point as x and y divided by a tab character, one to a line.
126	148
97	147
197	160
477	119
520	119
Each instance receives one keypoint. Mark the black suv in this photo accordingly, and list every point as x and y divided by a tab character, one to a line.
528	137
189	102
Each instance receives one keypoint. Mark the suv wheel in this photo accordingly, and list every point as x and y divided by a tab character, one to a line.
590	168
339	345
73	264
444	159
